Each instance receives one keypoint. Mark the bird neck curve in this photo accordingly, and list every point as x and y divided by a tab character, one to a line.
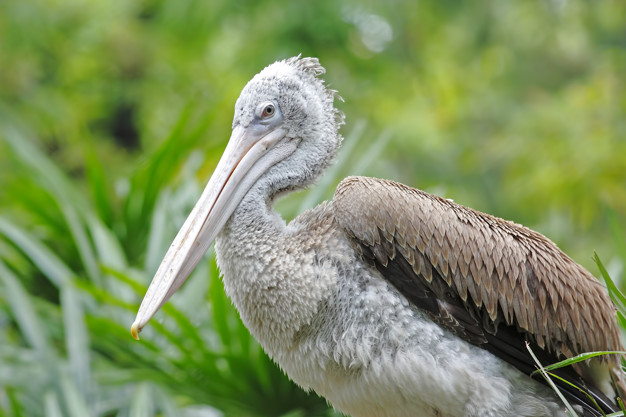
301	169
261	258
255	213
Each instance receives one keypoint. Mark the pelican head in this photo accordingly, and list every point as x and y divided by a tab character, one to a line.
285	132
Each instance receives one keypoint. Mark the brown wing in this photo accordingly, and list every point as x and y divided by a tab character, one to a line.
492	282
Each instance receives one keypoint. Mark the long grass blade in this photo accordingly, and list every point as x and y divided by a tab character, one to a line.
616	295
142	402
166	404
157	241
71	203
15	406
47	262
578	358
76	339
589	397
75	403
108	249
82	242
545	375
220	308
155	173
100	188
24	312
42	169
51	405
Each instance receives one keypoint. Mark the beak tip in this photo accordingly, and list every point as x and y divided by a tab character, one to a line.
134	330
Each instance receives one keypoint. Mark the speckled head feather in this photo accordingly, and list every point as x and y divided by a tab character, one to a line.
295	83
311	65
306	106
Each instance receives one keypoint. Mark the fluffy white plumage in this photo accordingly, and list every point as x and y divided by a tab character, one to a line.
347	334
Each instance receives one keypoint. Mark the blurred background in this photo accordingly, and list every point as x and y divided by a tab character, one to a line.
114	114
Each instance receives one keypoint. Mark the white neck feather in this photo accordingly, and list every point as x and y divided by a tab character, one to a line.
267	270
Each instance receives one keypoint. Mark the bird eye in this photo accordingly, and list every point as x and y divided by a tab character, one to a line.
268	111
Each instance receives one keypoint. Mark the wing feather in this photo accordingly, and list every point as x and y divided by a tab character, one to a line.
492	282
511	271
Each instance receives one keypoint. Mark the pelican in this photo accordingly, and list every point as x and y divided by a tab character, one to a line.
387	301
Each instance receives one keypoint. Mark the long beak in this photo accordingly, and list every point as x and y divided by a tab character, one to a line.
248	155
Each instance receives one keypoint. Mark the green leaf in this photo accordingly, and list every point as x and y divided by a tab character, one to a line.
23	310
157	240
100	188
221	310
142	401
16	408
47	262
616	295
51	405
545	375
589	397
108	249
70	201
578	358
75	403
76	338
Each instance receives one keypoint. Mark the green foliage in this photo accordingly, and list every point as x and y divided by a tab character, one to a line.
76	345
113	115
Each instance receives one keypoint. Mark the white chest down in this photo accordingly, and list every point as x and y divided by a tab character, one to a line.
400	364
354	339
